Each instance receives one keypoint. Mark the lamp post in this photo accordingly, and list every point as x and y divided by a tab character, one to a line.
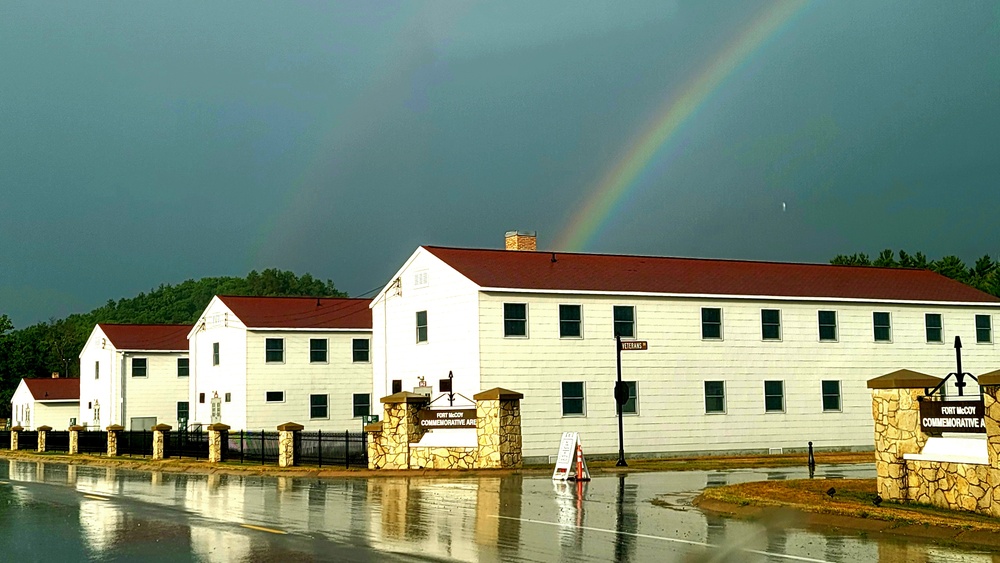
621	392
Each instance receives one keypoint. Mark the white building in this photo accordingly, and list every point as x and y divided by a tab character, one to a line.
135	376
51	402
741	355
264	361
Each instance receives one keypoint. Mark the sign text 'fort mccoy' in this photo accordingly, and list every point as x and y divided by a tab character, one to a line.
447	418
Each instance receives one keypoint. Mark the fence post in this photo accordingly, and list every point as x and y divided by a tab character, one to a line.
114	432
161	433
14	432
43	432
286	443
74	439
218	434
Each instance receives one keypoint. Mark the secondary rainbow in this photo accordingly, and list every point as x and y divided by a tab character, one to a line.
608	197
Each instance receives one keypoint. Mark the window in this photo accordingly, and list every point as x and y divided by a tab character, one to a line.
515	319
138	367
711	323
201	398
624	321
983	329
274	350
215	353
397	386
570	321
97	370
831	395
770	324
274	396
932	326
715	396
362	404
631	406
229	397
774	396
827	326
317	350
421	326
182	412
573	401
359	349
318	406
183	367
883	328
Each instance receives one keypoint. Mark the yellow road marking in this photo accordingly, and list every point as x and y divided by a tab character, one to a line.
95	497
263	529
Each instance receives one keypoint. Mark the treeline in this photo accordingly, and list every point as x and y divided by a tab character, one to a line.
43	348
984	275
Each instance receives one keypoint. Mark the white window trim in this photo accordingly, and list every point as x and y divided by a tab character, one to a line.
580	305
353	404
934	342
327	417
635	322
784	397
268	402
636	413
889	341
369	360
274	362
781	326
976	329
704	397
503	313
836	326
327	360
722	326
416	327
132	368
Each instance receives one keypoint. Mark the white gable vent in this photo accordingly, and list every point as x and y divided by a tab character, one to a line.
420	279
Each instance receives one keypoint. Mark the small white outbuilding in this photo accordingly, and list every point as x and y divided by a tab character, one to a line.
53	402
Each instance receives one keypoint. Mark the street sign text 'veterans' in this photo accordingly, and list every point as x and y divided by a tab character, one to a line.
633	345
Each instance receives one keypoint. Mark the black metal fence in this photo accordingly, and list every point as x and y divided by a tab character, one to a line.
92	442
186	443
5	440
57	441
247	446
135	443
331	448
27	440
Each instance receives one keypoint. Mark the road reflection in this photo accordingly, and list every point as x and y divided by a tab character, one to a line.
118	514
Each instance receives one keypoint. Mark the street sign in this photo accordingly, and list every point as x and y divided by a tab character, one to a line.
633	345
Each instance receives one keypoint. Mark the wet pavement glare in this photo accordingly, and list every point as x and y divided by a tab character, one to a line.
58	512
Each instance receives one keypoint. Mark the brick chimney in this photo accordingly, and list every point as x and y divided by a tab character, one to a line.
520	240
55	375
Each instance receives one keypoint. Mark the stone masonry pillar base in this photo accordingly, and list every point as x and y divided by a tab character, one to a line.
74	439
113	433
43	432
160	434
286	443
218	442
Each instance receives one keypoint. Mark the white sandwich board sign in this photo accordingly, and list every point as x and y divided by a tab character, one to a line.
570	463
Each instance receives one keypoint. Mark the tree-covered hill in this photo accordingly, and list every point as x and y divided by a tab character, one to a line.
39	350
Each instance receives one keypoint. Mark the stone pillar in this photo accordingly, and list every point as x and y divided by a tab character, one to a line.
113	433
286	443
400	428
498	428
896	412
43	432
990	384
375	445
74	439
218	442
160	435
14	432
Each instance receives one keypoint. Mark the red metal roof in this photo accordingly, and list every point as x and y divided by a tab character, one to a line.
301	312
147	337
697	276
48	389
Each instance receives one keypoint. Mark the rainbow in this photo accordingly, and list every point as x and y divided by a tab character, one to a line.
622	181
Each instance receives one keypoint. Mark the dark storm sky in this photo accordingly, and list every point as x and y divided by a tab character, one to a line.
146	143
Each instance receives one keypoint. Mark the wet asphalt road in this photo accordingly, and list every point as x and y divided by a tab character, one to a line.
55	512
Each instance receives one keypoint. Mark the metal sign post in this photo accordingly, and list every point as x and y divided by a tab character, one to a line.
621	391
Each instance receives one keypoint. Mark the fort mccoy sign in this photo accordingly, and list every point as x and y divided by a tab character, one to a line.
952	416
447	418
